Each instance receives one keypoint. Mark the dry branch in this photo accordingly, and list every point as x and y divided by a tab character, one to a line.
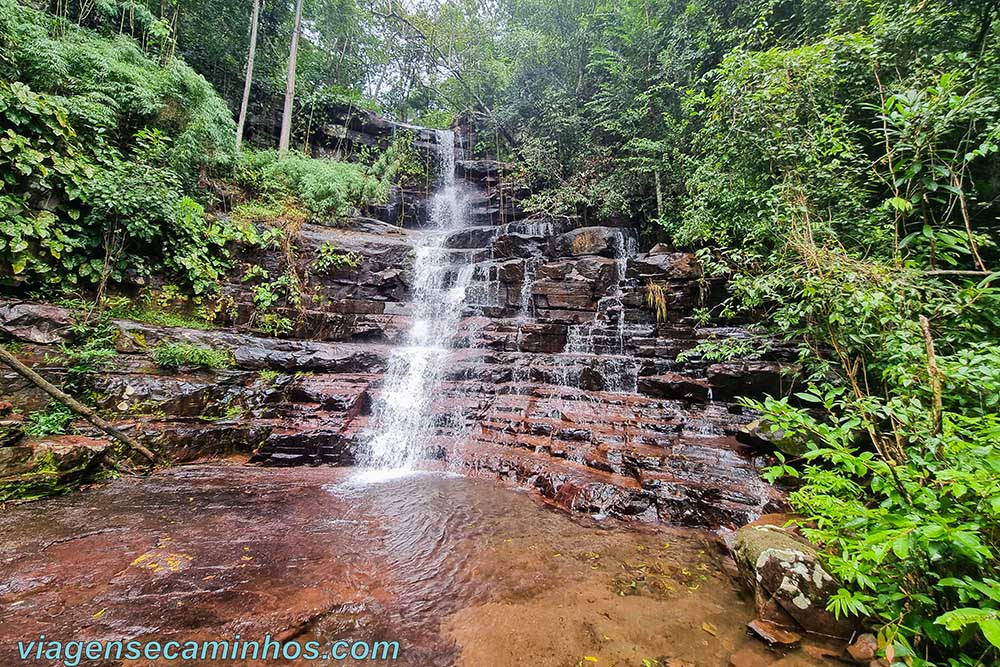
74	405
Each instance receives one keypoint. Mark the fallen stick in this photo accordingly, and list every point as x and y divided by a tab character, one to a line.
71	403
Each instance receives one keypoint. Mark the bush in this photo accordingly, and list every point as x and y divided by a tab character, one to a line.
174	356
53	420
112	89
91	166
901	421
323	188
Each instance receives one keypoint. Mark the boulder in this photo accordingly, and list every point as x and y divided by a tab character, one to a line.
37	323
790	585
605	241
664	266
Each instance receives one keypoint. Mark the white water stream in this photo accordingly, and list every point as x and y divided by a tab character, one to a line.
402	418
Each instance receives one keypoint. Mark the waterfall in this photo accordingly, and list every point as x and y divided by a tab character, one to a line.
402	417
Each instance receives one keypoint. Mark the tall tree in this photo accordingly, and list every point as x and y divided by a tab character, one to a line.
293	55
249	75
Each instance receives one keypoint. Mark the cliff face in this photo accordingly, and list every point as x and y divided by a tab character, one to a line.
562	377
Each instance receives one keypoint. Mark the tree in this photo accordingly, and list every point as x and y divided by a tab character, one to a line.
249	75
293	54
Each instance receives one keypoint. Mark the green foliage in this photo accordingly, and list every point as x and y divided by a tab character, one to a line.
323	189
54	419
149	314
268	376
93	185
112	89
330	258
899	482
174	356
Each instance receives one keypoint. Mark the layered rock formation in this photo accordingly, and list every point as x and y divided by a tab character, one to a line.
563	378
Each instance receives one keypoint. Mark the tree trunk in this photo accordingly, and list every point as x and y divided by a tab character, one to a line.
71	403
249	78
293	55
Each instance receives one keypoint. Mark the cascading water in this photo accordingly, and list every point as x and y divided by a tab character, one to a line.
604	339
402	419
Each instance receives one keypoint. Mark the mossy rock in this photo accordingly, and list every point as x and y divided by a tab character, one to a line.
47	466
790	584
759	433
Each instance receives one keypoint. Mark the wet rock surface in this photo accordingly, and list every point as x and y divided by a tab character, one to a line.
563	378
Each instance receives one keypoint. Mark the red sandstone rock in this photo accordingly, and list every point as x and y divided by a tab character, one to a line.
863	649
774	634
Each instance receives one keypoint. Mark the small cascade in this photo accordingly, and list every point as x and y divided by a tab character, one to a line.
604	337
526	306
402	416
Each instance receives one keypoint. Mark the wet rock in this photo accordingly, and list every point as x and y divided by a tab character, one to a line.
471	237
45	466
191	441
34	322
664	266
542	338
746	378
515	245
864	649
15	460
291	448
773	634
660	249
292	356
790	585
606	241
673	385
11	431
600	271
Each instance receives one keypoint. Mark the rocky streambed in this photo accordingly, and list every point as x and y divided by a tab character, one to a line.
457	570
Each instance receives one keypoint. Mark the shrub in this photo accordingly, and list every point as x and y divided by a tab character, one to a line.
322	188
329	257
88	162
173	356
901	421
53	420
